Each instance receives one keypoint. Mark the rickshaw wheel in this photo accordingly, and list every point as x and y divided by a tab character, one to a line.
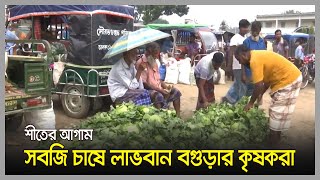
75	106
305	76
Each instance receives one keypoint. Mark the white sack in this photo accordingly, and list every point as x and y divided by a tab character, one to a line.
41	119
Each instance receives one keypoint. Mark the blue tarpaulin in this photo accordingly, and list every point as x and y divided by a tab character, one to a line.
92	29
24	11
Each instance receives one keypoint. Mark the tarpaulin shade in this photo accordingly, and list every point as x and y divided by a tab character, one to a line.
91	38
24	11
192	28
92	28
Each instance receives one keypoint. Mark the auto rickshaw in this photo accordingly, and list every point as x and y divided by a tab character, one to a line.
205	37
87	32
223	38
30	89
308	42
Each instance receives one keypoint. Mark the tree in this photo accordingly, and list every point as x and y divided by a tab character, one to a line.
223	26
150	13
160	21
312	30
307	30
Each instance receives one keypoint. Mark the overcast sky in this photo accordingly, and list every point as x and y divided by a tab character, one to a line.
214	14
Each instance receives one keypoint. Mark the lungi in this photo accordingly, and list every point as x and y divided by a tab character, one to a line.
209	92
237	90
282	106
137	96
158	98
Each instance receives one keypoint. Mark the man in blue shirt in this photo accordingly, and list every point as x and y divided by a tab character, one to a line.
238	89
9	35
299	50
253	42
167	45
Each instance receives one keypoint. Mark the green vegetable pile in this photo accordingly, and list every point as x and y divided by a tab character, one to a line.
144	127
228	126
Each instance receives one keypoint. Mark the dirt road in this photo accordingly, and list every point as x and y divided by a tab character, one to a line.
302	128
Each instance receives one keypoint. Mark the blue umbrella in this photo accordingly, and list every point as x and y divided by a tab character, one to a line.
135	39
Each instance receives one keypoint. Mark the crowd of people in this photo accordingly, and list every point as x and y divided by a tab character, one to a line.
255	70
140	80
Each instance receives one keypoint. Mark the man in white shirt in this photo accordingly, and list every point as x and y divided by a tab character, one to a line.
238	87
203	73
125	83
298	54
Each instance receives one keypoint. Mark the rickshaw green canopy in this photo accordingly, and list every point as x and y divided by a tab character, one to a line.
185	26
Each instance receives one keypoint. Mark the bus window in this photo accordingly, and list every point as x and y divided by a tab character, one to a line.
116	19
56	29
183	38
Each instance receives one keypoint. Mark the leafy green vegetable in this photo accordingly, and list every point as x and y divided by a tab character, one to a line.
133	127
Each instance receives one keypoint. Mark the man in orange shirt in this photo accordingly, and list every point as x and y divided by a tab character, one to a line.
271	70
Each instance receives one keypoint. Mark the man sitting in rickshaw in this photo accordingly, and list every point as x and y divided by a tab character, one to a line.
125	83
167	45
193	47
161	93
21	35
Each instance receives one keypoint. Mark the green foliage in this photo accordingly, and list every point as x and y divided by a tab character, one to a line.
307	30
160	21
143	127
153	12
311	31
58	48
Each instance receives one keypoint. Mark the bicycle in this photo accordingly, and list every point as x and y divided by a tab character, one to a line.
308	70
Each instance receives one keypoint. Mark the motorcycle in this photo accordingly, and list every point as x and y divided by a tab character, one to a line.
308	70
